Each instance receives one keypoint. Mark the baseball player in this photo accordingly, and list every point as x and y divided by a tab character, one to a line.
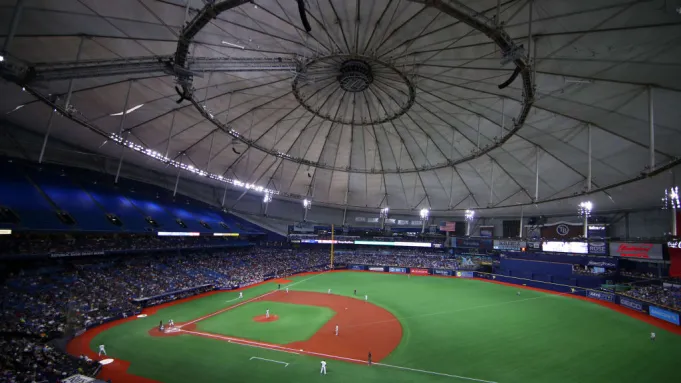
366	298
652	336
323	370
329	291
267	313
336	330
518	293
287	290
171	323
241	294
369	358
355	291
101	350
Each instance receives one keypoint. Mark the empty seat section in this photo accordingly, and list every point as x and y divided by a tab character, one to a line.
69	197
17	193
132	218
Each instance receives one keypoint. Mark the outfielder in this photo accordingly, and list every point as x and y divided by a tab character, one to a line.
241	294
323	370
366	298
652	336
101	350
267	313
329	291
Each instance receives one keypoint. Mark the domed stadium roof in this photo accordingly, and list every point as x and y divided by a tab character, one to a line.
446	105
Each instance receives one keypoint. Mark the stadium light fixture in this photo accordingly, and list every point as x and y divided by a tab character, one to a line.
671	198
307	203
424	213
2	58
177	164
470	215
384	212
585	208
267	198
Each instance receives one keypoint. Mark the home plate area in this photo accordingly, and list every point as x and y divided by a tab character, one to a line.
302	322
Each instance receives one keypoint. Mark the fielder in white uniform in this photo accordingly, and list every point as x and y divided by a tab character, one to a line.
171	323
323	370
652	336
267	313
366	298
336	330
287	290
329	291
241	294
101	350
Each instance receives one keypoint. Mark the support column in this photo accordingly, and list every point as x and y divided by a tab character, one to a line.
651	128
491	185
588	178
224	195
423	225
170	135
520	229
529	32
586	226
267	204
120	131
304	214
177	181
47	134
16	16
536	177
503	118
674	222
468	228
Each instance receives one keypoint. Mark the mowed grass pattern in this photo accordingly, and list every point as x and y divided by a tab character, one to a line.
295	323
459	327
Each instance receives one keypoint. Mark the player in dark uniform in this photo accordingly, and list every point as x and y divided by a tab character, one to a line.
369	358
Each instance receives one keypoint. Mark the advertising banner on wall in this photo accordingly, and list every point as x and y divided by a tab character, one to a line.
636	250
356	267
596	231
474	243
447	273
464	274
418	271
487	231
397	270
376	269
600	248
632	304
602	262
601	295
562	230
502	244
534	246
565	247
665	315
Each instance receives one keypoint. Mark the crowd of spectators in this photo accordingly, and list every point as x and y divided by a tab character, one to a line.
668	296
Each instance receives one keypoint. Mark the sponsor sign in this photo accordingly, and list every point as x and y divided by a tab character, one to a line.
566	247
225	234
562	230
487	231
178	234
356	267
598	248
447	273
509	245
464	274
636	250
601	295
404	244
418	271
596	231
376	269
632	304
397	269
78	379
665	315
5	231
76	254
468	243
605	263
534	246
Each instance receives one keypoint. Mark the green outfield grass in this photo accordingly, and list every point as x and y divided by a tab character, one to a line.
295	323
453	326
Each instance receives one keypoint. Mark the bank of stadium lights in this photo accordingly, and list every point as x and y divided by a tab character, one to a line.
470	215
307	203
2	58
384	213
267	198
585	208
424	214
169	161
671	198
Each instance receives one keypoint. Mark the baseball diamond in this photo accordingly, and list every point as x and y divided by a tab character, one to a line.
426	329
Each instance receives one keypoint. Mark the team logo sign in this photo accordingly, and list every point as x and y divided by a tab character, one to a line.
562	230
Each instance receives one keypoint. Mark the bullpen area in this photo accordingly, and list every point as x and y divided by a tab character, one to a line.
419	328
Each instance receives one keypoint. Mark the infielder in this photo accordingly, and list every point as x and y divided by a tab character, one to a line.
287	290
101	350
329	291
336	330
323	370
366	298
267	313
652	336
171	323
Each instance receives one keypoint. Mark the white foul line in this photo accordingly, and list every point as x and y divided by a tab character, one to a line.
242	303
270	360
272	347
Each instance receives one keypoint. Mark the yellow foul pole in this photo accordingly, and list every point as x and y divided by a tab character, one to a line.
332	246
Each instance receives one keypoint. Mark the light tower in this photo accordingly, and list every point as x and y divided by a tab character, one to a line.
307	204
585	211
424	214
470	216
671	201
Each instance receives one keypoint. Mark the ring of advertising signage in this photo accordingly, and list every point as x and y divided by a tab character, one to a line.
636	250
509	245
404	244
565	247
416	271
177	234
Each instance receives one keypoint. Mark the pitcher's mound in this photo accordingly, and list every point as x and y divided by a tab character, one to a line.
262	318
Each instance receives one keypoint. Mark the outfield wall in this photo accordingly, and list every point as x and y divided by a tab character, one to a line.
662	313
